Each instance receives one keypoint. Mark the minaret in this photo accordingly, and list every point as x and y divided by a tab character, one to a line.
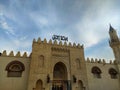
114	43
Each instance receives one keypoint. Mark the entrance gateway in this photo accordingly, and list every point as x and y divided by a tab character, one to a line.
60	79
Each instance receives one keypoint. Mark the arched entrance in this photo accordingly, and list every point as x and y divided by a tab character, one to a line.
59	77
39	85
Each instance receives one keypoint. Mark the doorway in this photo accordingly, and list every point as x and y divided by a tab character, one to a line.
59	77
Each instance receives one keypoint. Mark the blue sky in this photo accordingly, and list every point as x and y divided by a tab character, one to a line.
82	21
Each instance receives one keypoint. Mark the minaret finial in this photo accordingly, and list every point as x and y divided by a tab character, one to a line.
111	28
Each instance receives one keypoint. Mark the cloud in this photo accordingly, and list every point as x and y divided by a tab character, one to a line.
94	25
5	26
82	21
39	20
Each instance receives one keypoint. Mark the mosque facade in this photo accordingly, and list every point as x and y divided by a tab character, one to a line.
56	65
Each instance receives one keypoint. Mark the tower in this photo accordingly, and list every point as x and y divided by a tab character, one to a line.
56	66
114	43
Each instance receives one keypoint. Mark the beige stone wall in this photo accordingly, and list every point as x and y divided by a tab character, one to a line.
36	72
13	83
105	82
78	68
71	56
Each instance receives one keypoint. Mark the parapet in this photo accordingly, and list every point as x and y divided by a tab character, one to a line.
11	54
100	61
58	43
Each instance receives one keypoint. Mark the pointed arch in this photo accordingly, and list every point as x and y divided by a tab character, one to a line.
60	71
39	85
40	61
113	73
80	85
15	69
60	76
78	63
96	72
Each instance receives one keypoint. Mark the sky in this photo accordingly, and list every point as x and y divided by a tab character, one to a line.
82	21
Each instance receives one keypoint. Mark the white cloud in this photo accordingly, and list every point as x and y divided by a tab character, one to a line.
84	21
39	20
21	43
95	21
4	25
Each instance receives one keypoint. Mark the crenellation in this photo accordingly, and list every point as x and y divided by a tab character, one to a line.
34	40
96	60
81	46
65	43
92	60
11	54
74	45
103	60
4	53
60	43
110	62
39	40
70	44
99	61
78	45
55	42
25	54
18	54
50	41
45	41
88	60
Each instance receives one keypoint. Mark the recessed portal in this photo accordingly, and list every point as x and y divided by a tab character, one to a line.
59	77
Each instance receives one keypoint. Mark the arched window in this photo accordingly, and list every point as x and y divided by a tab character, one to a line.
15	69
41	61
96	72
113	73
39	85
78	63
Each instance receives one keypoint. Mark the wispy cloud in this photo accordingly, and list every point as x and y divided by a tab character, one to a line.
83	21
4	25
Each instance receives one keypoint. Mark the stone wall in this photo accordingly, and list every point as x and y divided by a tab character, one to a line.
105	82
13	83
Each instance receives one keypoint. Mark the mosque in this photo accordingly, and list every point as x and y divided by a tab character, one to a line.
54	65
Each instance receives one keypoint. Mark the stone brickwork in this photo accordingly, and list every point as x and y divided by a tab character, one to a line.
70	57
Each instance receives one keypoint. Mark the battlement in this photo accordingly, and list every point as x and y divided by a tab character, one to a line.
11	54
55	42
100	61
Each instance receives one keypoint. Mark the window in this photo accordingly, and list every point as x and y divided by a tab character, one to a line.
15	69
39	85
41	61
78	63
113	73
96	72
